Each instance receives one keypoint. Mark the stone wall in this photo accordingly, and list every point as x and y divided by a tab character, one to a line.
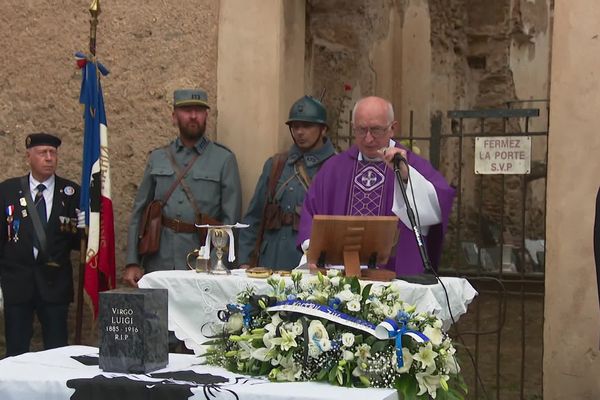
431	56
150	47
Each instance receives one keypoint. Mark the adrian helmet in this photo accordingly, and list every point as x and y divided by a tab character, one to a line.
308	109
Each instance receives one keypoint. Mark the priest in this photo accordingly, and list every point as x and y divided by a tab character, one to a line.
361	181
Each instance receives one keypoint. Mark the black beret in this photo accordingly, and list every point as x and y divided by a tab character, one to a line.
41	139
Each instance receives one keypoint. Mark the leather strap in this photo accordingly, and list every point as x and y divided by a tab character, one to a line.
302	174
180	173
184	186
279	160
178	226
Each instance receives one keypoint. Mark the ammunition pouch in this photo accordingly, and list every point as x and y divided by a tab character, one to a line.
275	218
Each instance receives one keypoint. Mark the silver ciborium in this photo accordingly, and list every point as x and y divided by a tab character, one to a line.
219	238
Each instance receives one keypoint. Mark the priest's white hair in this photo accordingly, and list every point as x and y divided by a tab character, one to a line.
390	110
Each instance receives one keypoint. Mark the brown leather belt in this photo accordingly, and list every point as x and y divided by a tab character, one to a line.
179	226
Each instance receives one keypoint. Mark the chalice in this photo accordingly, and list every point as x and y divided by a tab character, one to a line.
219	239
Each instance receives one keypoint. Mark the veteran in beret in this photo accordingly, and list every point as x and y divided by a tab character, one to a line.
38	231
208	192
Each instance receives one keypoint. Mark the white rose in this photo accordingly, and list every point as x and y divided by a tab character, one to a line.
348	355
234	323
317	332
345	295
335	281
354	305
296	329
347	339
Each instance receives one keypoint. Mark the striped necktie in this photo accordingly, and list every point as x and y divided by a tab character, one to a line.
40	204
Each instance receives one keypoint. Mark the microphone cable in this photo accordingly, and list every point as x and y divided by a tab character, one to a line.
436	275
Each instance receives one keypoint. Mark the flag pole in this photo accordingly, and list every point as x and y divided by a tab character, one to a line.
94	12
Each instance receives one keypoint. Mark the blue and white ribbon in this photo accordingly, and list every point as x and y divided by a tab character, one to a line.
325	312
390	329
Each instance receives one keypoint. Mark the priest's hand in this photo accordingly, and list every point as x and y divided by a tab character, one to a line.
388	154
132	274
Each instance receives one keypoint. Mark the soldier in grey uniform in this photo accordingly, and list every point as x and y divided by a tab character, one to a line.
213	180
273	213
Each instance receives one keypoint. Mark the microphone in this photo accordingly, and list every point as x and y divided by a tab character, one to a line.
398	159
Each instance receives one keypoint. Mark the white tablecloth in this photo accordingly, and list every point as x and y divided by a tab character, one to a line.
194	299
47	375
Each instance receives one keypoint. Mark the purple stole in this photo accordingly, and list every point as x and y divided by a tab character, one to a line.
368	189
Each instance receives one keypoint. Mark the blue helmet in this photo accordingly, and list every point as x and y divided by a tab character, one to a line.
308	109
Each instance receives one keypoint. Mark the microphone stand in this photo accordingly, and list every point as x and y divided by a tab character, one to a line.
427	277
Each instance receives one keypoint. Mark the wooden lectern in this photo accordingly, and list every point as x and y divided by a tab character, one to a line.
352	240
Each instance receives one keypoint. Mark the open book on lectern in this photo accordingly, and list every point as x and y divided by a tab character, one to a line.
352	241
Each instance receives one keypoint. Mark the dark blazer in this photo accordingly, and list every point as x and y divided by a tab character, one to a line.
51	274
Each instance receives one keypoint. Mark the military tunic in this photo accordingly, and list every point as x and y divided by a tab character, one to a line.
278	248
215	184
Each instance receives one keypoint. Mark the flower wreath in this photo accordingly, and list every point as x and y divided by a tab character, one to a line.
338	330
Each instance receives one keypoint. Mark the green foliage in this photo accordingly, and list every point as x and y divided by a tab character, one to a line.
287	348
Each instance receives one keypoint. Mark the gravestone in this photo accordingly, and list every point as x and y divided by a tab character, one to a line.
133	330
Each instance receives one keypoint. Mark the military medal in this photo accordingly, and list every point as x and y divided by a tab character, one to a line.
24	213
10	210
23	202
73	225
15	228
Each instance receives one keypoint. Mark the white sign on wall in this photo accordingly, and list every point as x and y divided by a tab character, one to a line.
502	155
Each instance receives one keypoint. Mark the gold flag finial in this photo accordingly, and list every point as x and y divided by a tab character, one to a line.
94	11
95	8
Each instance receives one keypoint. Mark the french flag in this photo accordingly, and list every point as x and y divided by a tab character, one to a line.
95	184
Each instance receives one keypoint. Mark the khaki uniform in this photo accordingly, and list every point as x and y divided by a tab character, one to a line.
215	183
278	248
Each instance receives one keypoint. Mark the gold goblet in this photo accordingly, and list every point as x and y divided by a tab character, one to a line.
201	263
219	239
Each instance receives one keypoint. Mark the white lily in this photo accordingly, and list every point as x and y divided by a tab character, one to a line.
428	382
286	341
426	356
